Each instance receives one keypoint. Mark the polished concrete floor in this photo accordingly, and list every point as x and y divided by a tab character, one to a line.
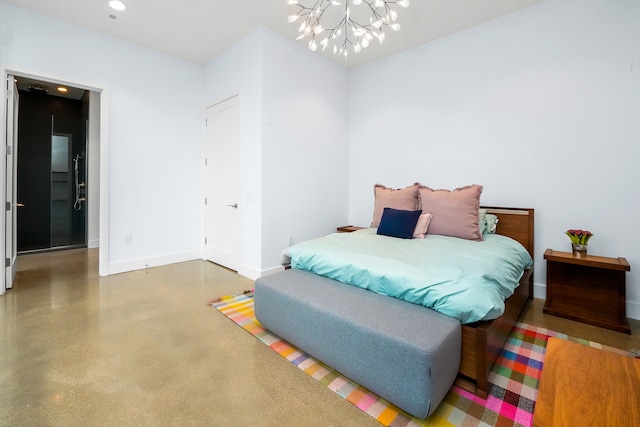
144	349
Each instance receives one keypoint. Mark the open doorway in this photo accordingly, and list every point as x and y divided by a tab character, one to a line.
97	168
52	173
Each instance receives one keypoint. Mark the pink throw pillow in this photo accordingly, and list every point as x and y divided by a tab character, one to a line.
455	213
405	199
422	225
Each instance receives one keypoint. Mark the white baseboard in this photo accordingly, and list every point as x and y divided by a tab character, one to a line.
248	272
273	270
539	290
633	308
93	244
140	264
254	274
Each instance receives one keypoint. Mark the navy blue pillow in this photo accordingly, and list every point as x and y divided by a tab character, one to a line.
398	223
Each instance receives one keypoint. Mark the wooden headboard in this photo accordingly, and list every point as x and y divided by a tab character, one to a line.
516	223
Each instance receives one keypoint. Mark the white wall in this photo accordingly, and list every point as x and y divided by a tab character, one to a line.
154	126
294	134
238	71
304	163
294	169
541	107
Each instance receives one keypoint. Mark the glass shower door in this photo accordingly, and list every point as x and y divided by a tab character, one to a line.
61	190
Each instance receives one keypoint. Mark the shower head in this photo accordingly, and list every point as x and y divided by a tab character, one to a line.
38	90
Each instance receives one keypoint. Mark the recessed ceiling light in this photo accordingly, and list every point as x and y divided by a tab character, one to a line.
117	5
62	89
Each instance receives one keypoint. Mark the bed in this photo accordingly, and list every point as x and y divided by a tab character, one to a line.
481	341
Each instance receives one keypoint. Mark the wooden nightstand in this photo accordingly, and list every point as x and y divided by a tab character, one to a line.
590	290
348	229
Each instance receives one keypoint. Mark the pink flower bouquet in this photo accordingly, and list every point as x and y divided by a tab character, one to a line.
579	237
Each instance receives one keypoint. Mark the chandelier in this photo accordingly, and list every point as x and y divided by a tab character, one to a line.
330	23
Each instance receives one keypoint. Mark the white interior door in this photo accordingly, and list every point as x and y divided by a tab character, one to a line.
11	226
223	184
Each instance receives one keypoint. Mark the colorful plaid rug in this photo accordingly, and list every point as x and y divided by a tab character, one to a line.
513	379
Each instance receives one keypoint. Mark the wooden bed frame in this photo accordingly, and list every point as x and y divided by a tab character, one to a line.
482	342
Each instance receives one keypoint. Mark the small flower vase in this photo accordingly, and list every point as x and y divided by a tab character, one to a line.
579	251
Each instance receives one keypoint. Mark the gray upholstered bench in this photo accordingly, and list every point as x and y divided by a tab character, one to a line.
405	353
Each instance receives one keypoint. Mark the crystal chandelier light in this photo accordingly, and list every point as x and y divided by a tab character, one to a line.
342	27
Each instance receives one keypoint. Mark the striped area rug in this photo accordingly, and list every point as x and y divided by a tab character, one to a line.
514	377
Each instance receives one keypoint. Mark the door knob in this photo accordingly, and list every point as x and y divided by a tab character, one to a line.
234	206
20	205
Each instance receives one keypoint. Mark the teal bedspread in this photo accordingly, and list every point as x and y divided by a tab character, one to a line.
464	279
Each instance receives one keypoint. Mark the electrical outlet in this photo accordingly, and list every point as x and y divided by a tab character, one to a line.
127	239
290	240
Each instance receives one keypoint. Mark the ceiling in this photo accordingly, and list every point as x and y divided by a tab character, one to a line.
197	30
